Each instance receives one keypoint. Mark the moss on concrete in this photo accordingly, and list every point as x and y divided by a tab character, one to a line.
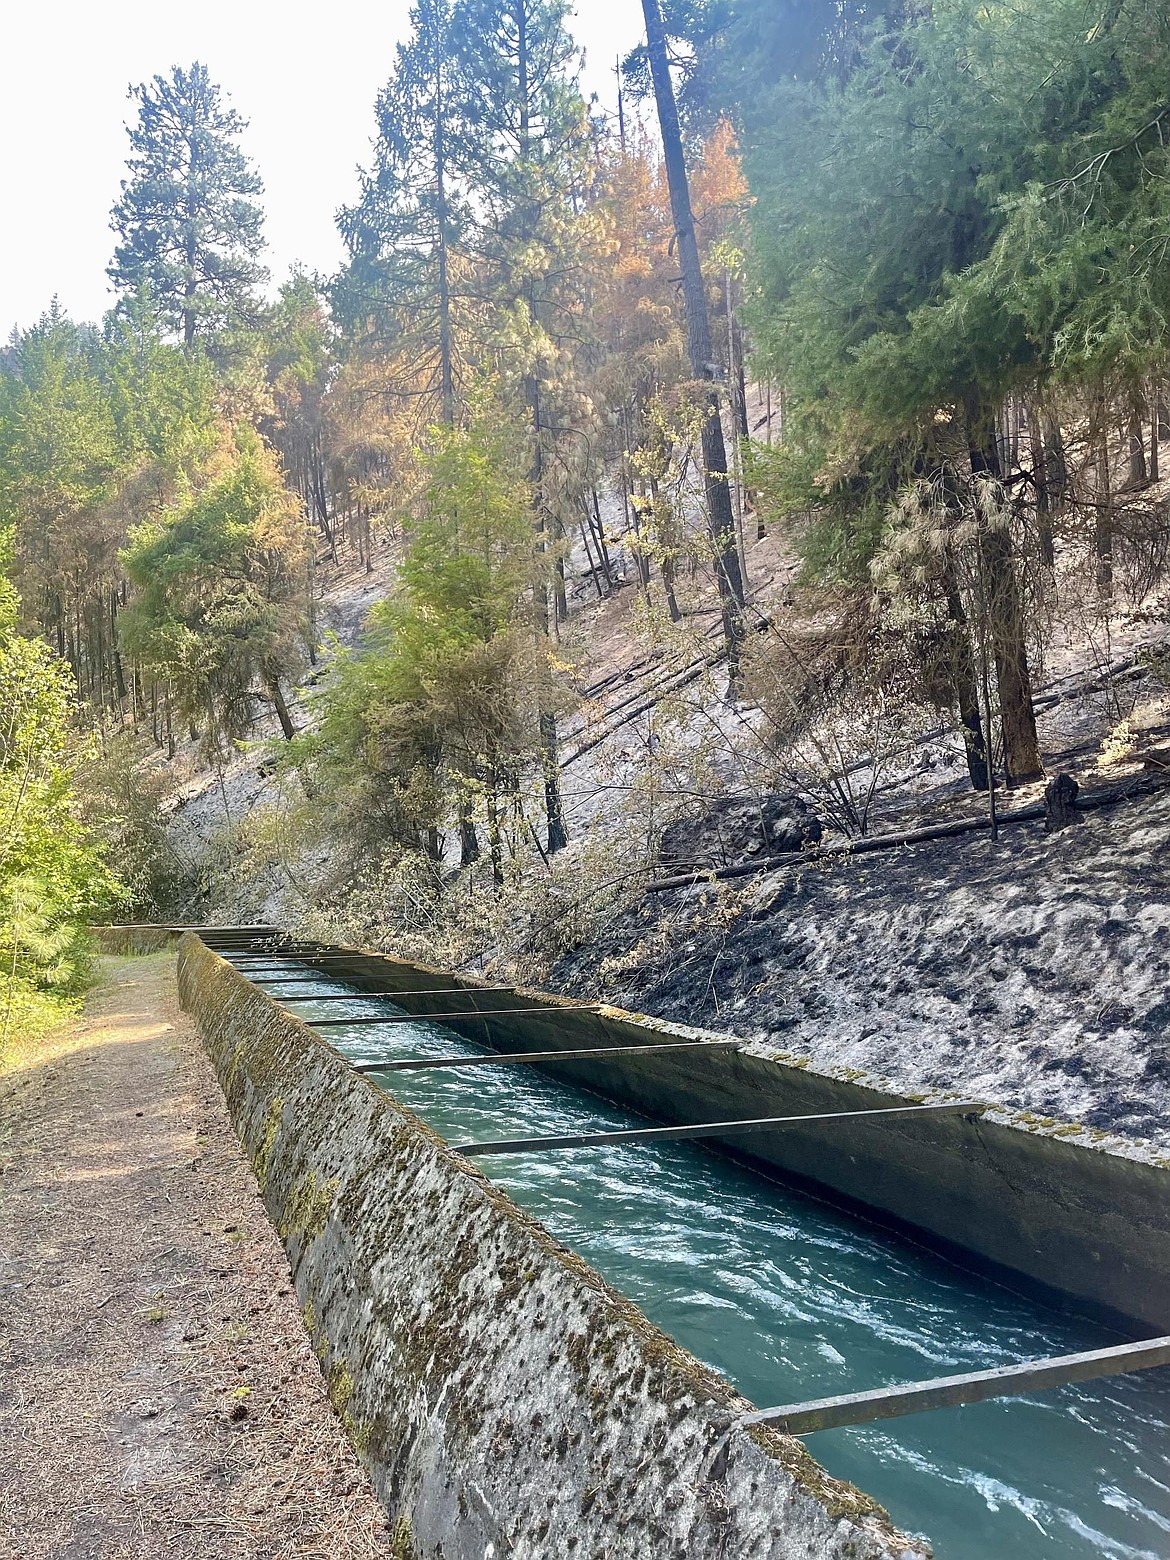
262	1153
308	1207
402	1541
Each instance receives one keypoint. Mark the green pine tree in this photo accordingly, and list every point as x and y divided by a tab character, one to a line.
220	601
406	275
188	222
529	141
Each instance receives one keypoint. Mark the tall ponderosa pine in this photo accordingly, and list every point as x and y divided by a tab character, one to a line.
188	222
878	175
720	518
402	234
528	135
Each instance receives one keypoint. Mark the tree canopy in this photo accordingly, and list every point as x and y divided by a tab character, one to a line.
188	221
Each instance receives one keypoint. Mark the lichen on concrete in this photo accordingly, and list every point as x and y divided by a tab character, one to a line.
504	1397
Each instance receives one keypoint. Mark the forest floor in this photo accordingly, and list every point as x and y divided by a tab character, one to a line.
158	1394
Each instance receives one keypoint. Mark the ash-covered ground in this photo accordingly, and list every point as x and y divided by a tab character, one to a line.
1034	970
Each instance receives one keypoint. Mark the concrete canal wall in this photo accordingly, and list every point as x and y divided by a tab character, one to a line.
505	1399
132	938
1081	1216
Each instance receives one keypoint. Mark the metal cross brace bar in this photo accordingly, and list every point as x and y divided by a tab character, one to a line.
859	1408
247	940
253	964
299	980
290	951
256	946
350	996
413	1018
413	1063
540	1145
289	957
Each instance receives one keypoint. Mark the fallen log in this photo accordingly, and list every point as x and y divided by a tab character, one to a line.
938	831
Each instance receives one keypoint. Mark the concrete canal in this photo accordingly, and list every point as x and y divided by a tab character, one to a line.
790	1298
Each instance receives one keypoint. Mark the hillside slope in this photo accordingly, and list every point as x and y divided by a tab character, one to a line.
1033	970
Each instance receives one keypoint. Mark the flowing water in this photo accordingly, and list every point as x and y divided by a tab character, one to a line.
790	1299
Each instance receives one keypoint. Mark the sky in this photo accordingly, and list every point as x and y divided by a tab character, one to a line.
305	78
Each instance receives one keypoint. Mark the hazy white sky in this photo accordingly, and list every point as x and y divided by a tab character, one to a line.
305	77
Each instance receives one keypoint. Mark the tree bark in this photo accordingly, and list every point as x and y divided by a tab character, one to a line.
594	571
1103	516
468	838
281	709
115	653
598	530
550	760
667	558
720	517
1055	462
495	844
559	588
1043	493
1138	474
1005	613
964	681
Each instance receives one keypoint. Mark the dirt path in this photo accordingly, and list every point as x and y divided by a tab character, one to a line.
158	1395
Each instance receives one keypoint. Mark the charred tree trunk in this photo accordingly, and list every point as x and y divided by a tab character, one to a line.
495	844
119	675
281	708
667	540
1043	493
598	530
1055	463
1005	613
550	760
964	680
559	588
468	838
720	517
1138	474
1103	517
594	571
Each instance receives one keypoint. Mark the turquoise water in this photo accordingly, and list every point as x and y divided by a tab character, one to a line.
791	1299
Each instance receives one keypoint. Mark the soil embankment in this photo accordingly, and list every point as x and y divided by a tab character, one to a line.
158	1393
